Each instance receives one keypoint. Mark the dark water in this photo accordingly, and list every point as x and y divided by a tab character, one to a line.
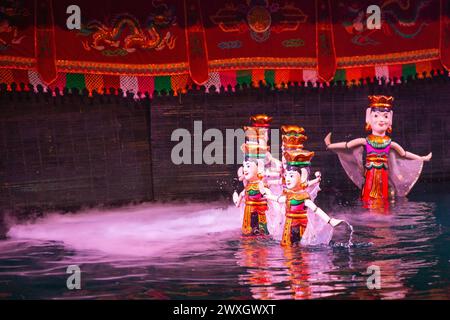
196	252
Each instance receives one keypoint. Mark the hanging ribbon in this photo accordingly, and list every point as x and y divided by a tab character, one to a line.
445	34
326	53
196	42
45	41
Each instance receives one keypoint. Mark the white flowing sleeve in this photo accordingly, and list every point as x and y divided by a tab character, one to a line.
403	173
352	162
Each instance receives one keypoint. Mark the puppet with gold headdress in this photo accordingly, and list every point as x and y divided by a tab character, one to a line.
387	169
302	221
252	173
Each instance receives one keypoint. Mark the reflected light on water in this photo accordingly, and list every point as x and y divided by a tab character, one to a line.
196	251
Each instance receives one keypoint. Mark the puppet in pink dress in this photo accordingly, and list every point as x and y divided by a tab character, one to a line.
387	169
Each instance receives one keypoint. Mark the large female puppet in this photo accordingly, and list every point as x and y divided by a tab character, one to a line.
383	173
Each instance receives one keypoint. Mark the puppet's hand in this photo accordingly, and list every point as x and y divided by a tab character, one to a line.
236	199
262	188
318	175
240	173
335	222
328	139
427	157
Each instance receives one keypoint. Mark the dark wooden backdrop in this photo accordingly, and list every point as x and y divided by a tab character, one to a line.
70	151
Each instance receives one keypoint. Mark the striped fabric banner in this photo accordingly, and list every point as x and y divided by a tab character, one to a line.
129	83
269	77
110	81
257	76
139	85
6	77
310	75
146	84
298	75
35	79
75	81
179	83
214	80
281	76
395	71
228	78
59	83
382	72
163	83
21	76
243	76
94	82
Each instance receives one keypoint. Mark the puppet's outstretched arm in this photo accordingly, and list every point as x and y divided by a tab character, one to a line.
269	195
317	180
333	222
343	145
409	155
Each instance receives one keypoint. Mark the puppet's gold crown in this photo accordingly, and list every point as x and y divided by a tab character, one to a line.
293	136
260	120
384	102
292	130
298	156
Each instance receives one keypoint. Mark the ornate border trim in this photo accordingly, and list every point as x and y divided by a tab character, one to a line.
399	57
262	63
17	62
221	64
122	69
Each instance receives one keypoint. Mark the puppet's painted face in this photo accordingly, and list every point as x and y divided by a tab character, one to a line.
250	170
292	178
380	121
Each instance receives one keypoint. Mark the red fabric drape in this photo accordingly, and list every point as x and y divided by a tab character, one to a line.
326	52
445	34
196	42
45	41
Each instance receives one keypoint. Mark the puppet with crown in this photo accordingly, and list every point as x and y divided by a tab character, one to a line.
302	221
252	172
387	169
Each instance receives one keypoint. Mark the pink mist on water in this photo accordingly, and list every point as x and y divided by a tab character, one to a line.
144	230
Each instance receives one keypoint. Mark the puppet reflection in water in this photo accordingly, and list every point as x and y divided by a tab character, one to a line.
383	174
276	272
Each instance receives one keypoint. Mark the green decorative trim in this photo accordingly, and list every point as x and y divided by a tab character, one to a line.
374	166
299	163
379	145
257	156
253	192
296	202
293	134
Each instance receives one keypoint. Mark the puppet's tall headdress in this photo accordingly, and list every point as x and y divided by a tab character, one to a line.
293	139
256	137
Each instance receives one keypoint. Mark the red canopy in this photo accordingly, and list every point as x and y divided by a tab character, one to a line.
146	38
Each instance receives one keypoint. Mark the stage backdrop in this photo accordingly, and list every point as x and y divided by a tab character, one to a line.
71	151
218	42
